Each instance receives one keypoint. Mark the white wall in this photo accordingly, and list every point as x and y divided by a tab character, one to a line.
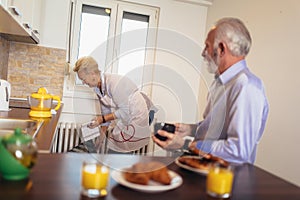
275	29
180	41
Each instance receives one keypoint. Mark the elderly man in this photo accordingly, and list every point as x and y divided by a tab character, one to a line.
237	109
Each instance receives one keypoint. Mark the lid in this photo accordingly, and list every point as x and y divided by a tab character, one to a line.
41	94
17	138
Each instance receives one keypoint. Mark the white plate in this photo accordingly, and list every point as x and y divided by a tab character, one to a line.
200	171
152	187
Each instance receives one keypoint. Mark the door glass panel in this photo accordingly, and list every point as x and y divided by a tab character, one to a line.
93	28
132	60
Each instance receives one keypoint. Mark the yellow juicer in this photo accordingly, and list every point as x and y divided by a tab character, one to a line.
41	103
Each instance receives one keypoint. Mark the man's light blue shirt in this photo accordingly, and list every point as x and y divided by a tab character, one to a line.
235	116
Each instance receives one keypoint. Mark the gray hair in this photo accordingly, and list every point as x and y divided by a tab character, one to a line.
87	63
234	34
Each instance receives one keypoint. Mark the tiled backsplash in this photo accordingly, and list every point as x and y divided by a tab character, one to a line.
32	66
4	50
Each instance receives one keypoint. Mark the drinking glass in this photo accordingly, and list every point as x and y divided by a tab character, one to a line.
94	179
219	181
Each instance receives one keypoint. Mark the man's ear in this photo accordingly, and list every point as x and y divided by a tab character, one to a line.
221	48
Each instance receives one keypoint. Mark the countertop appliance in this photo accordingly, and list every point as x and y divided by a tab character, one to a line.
41	103
5	91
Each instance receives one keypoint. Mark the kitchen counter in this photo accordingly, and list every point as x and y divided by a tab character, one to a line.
45	135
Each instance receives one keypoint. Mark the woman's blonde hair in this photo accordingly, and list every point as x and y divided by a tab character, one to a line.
86	63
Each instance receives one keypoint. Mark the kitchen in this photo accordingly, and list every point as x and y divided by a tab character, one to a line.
273	19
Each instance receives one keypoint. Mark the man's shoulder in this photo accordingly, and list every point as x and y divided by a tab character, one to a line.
246	81
248	78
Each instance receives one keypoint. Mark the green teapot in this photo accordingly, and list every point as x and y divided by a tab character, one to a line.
18	154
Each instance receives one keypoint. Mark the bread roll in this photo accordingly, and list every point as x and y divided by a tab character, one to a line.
141	173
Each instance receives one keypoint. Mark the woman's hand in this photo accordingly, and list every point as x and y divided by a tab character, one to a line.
95	122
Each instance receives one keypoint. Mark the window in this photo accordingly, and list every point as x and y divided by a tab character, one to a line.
94	27
116	34
132	22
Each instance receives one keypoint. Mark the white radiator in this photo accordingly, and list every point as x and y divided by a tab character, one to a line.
67	136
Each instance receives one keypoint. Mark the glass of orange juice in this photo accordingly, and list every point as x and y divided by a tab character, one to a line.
94	179
219	181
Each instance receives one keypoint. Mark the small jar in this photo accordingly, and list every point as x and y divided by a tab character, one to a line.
18	155
22	147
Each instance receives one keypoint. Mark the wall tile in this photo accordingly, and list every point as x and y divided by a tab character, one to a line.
4	50
32	66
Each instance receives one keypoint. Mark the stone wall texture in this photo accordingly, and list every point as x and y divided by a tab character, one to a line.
32	66
4	50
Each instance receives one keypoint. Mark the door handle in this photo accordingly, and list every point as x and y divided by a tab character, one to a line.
6	90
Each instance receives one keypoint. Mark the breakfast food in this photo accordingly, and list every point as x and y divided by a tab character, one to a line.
201	163
142	173
194	162
136	174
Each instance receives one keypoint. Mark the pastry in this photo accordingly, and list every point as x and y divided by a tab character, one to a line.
202	163
198	163
141	173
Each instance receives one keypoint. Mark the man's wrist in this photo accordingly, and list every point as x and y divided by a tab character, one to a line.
103	119
186	144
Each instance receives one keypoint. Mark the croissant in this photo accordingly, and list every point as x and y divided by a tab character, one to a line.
141	173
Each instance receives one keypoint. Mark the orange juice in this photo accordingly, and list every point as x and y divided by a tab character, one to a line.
219	182
94	179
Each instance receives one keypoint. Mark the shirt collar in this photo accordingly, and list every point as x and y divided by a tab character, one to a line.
103	82
232	71
102	91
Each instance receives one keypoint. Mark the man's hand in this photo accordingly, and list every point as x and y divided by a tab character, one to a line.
174	140
183	129
193	148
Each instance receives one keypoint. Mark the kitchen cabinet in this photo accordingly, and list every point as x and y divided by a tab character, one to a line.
31	12
12	24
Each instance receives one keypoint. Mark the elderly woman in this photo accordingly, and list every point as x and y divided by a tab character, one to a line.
123	107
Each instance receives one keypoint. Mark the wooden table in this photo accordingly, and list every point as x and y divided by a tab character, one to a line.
57	176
